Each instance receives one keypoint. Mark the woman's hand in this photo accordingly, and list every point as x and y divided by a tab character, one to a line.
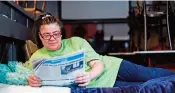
83	79
97	67
34	81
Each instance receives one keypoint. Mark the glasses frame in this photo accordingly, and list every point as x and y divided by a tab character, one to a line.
51	36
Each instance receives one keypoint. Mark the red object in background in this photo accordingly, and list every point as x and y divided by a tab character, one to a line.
157	48
91	30
169	66
68	29
160	47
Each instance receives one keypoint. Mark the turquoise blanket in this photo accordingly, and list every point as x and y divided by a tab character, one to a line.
14	73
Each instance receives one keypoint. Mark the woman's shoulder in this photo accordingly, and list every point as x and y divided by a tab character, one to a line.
75	39
37	54
74	42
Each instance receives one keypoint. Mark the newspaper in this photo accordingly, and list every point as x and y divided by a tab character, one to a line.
60	71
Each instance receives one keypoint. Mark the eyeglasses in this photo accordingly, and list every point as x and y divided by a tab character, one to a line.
47	36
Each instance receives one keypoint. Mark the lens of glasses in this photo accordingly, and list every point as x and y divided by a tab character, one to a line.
48	36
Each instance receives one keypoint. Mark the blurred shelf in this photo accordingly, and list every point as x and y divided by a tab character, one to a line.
15	21
155	14
13	29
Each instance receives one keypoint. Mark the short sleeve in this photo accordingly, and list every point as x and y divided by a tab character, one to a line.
90	53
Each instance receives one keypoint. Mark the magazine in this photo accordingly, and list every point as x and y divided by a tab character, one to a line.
61	70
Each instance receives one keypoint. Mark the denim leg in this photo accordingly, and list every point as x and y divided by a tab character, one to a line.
125	83
132	72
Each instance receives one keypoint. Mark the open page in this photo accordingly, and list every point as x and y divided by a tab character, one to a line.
60	71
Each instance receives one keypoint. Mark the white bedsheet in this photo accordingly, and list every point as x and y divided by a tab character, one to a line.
4	88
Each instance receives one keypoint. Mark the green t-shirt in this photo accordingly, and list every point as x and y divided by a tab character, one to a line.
112	64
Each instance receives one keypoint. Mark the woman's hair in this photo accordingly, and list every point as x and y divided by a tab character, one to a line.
43	19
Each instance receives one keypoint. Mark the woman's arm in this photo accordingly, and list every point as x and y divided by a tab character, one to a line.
97	68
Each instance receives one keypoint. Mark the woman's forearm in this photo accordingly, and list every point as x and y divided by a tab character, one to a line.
97	68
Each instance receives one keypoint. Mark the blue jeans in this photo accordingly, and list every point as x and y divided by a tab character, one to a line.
133	74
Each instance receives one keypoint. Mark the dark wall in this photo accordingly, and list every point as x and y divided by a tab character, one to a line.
52	7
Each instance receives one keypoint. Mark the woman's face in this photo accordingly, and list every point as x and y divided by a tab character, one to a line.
50	35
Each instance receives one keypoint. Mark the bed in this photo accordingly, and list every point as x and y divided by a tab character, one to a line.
159	85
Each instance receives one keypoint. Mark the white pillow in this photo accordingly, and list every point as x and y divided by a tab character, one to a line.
4	88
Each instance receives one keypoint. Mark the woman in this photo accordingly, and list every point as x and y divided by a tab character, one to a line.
101	71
